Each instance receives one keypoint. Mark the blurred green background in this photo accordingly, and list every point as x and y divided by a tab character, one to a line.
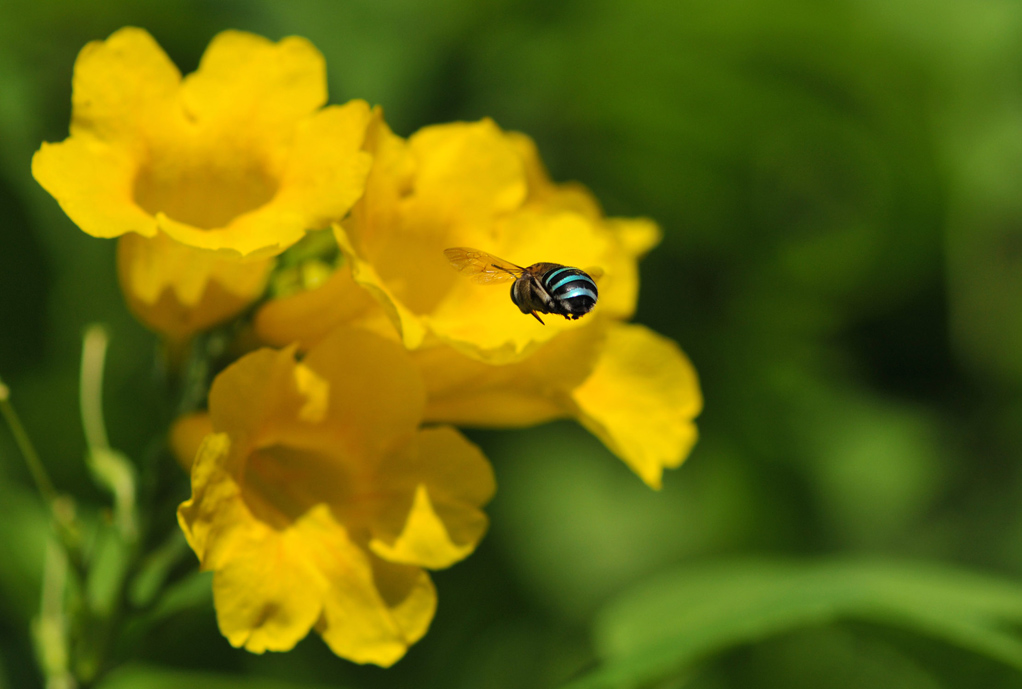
840	187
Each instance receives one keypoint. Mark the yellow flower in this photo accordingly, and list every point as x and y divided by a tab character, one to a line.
317	501
470	184
236	160
484	363
186	436
178	291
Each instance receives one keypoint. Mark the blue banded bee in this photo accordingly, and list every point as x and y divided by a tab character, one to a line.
541	287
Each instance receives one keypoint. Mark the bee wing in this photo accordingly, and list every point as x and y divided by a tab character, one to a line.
482	267
595	273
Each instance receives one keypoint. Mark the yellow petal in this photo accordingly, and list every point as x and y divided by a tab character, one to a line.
630	239
377	394
408	325
390	179
273	83
122	86
309	316
214	510
316	392
436	487
410	595
270	592
186	436
466	173
159	264
279	582
637	236
641	400
326	170
468	392
424	541
256	395
376	624
94	183
178	291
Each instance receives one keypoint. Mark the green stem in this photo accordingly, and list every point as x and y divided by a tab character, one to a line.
90	389
28	451
61	506
111	469
51	630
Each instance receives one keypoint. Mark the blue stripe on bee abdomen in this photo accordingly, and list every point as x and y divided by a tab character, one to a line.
554	273
578	292
567	282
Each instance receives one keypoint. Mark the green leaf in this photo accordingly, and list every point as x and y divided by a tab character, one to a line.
142	677
155	568
663	625
193	591
108	566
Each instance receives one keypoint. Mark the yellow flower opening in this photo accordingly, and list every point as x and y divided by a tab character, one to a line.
239	157
235	161
317	501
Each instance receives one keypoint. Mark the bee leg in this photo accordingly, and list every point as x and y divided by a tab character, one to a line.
537	318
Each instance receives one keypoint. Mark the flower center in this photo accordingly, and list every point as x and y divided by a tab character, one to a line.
281	483
204	194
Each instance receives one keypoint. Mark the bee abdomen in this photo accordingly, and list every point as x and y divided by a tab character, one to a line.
574	293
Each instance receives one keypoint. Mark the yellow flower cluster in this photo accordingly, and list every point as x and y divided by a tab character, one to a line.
324	481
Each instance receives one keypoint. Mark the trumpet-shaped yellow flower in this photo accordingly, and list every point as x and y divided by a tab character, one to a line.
239	157
178	291
317	501
186	436
235	161
470	184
